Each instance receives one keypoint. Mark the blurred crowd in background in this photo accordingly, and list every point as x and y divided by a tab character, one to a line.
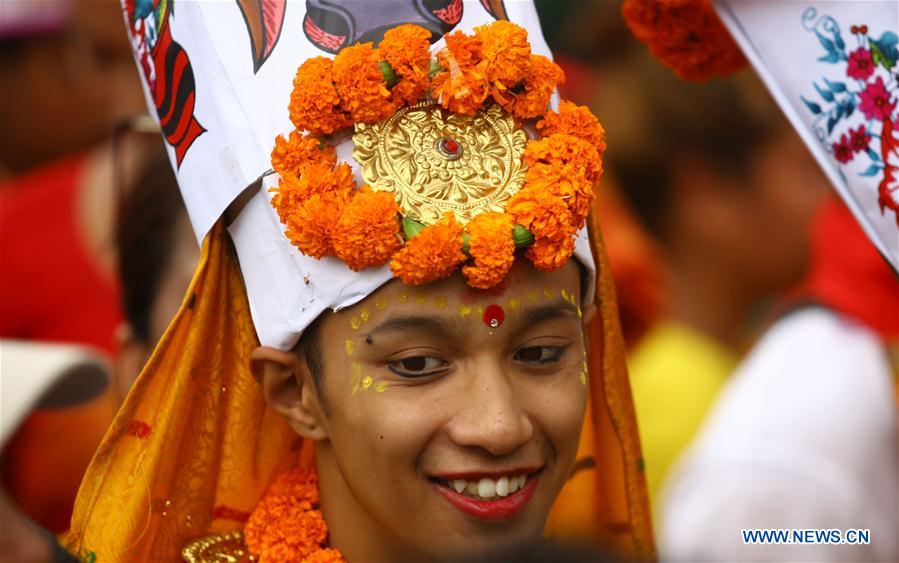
718	223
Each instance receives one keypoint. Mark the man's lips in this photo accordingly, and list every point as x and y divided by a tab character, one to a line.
497	506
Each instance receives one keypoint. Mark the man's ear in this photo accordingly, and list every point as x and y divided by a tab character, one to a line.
288	388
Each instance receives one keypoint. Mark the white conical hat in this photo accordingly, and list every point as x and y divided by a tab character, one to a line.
832	67
218	77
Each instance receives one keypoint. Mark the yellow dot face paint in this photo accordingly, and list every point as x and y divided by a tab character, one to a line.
363	315
513	304
532	296
403	297
548	293
421	299
355	322
367	381
440	302
350	347
464	310
381	386
381	303
564	294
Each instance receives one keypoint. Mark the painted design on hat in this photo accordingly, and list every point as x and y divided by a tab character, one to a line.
264	20
167	70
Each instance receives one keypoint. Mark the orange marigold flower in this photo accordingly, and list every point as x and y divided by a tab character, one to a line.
542	213
286	526
368	231
314	103
310	226
430	255
360	84
408	52
542	79
301	485
326	555
461	91
290	154
316	177
461	50
574	120
686	35
491	248
567	167
506	53
462	86
550	254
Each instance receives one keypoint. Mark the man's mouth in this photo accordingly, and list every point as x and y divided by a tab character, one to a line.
493	496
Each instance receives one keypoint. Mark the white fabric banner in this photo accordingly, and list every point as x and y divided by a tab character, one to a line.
832	67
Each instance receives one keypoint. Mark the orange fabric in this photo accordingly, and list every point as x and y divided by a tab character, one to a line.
194	446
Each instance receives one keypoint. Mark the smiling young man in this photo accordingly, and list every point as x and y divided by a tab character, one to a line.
453	434
402	346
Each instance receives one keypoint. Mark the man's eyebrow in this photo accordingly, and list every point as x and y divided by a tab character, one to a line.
414	323
548	312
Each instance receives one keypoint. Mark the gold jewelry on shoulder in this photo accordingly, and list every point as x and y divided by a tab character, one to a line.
227	547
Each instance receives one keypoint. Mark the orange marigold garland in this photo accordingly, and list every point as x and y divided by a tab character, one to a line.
287	525
360	84
506	55
577	121
536	91
367	233
314	103
491	248
542	213
325	215
316	177
432	254
310	227
407	50
291	154
686	35
550	254
567	167
461	87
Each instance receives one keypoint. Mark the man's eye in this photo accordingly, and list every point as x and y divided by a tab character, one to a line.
418	366
539	354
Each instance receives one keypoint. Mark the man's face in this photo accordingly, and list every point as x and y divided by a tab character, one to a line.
446	434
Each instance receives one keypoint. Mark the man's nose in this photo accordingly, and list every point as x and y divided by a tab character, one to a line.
492	415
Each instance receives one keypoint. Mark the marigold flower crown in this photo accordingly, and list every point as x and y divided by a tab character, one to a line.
452	178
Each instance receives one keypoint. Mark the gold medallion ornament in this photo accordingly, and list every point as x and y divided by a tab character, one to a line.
435	161
219	548
465	164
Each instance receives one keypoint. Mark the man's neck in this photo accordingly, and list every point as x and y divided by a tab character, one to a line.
351	529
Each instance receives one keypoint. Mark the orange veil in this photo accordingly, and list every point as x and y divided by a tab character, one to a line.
194	446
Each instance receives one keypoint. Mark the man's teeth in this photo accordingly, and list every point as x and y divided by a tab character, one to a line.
489	488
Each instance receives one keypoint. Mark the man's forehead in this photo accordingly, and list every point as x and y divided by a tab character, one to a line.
452	306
